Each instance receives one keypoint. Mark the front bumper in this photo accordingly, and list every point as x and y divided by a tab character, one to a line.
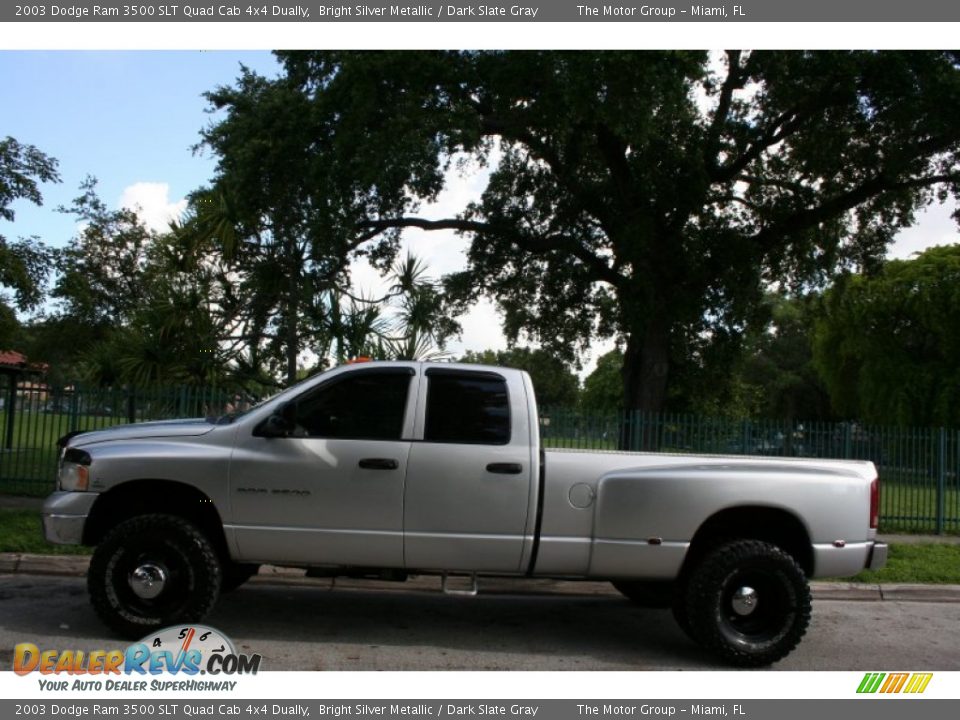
64	516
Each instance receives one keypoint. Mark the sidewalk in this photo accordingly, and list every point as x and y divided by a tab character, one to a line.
76	566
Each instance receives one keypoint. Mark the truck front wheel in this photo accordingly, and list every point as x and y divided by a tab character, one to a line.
152	571
749	602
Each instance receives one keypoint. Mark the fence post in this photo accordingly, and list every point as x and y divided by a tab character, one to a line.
132	404
11	410
941	478
73	416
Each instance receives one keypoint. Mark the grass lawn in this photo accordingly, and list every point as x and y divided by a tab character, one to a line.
924	563
20	531
28	467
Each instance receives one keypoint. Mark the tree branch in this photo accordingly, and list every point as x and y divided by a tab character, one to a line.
734	81
375	227
831	207
534	244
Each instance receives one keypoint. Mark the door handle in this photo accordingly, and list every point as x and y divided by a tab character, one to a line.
505	468
379	464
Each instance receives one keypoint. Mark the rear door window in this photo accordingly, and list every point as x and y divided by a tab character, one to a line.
466	407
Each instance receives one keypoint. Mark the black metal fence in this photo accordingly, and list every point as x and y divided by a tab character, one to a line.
34	416
919	467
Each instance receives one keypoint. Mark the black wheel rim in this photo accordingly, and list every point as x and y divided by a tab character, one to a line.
126	572
756	607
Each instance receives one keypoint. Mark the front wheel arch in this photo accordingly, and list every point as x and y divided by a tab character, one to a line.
134	498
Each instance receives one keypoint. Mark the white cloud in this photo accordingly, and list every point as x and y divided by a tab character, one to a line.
934	226
481	330
151	201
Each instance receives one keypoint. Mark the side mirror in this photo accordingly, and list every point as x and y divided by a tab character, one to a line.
280	423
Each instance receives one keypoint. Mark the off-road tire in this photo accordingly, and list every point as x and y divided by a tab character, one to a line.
648	594
744	634
679	609
189	561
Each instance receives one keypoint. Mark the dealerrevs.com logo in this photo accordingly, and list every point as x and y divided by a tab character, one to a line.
892	683
179	650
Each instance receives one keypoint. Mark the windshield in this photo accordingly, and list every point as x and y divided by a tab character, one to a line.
236	409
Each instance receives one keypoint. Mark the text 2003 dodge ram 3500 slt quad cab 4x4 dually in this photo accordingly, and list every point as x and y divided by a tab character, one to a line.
433	468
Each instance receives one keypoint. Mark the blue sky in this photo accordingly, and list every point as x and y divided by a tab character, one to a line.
123	117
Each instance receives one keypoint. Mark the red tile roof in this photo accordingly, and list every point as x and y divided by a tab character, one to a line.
12	358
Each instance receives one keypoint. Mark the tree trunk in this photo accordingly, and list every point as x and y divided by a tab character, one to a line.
646	369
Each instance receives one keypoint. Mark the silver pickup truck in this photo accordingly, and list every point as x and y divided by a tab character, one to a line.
399	468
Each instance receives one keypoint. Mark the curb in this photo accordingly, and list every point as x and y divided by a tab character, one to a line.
76	566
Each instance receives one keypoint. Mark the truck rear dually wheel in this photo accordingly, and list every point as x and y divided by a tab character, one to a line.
749	602
152	571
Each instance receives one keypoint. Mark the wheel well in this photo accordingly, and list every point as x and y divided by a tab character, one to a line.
772	525
141	497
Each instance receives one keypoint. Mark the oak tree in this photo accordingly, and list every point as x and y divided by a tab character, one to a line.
651	196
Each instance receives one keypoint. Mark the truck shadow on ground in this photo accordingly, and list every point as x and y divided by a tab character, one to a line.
398	630
302	627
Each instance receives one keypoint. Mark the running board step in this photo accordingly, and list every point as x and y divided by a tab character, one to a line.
451	584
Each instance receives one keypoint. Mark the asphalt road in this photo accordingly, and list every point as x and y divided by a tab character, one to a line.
297	627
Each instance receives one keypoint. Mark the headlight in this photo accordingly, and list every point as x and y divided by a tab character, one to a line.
74	470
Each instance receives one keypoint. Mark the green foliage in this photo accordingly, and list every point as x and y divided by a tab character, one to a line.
284	212
776	377
410	322
22	169
263	212
101	281
24	264
887	345
603	388
139	306
9	327
638	195
554	382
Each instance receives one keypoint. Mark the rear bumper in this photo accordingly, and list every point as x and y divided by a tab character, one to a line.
877	557
846	559
64	516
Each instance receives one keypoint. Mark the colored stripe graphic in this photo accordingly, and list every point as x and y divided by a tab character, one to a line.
918	683
870	682
914	683
895	682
